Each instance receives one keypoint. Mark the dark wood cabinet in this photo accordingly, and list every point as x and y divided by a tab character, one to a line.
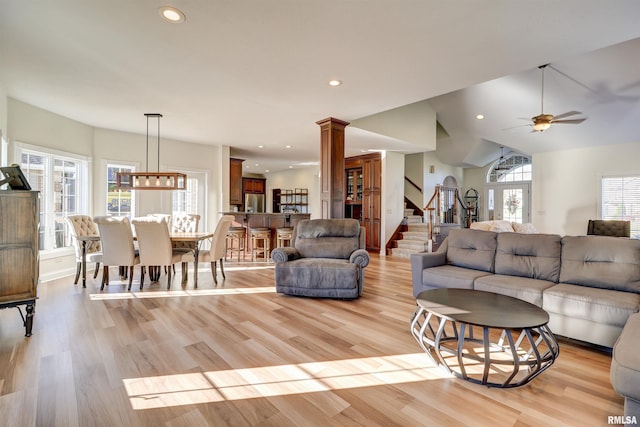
235	182
363	176
253	185
19	251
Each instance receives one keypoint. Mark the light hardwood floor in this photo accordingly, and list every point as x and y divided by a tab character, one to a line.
238	354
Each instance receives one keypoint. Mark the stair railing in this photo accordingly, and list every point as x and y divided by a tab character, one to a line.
442	209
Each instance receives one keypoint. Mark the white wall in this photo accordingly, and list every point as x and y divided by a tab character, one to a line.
440	172
392	196
296	178
566	184
3	124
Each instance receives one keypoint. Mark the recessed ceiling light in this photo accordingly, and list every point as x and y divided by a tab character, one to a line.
266	170
171	14
290	167
257	164
287	146
335	82
260	146
480	116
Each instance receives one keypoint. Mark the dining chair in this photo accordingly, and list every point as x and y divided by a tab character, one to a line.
83	225
117	246
185	223
154	244
217	251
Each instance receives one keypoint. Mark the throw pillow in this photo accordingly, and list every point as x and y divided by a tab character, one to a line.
526	228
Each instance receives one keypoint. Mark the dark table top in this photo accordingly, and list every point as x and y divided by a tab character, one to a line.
482	308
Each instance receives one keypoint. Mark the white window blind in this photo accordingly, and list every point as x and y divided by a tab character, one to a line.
621	200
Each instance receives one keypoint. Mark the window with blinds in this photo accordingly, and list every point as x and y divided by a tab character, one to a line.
621	200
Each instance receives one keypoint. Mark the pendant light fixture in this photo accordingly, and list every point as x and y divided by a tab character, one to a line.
148	180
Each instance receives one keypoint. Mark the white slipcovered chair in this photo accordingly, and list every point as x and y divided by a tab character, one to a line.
117	245
217	251
83	225
154	245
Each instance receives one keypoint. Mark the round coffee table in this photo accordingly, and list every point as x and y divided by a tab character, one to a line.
444	322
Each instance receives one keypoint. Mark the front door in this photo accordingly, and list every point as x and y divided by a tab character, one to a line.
509	202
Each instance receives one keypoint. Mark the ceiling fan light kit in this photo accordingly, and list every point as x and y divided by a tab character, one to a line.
543	121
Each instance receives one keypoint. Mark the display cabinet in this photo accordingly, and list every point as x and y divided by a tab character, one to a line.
19	252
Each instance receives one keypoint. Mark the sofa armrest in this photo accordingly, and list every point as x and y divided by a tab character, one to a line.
284	254
423	260
360	257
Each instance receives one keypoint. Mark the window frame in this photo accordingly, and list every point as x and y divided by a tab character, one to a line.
119	164
635	219
83	192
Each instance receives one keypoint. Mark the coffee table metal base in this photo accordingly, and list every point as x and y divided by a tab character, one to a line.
505	363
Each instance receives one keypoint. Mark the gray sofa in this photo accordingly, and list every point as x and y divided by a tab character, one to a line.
326	259
589	285
625	366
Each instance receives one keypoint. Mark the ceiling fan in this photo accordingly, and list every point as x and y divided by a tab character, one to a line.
543	121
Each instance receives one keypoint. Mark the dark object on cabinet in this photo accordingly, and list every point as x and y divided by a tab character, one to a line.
14	177
19	248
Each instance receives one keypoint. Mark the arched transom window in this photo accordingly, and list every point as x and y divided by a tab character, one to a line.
513	168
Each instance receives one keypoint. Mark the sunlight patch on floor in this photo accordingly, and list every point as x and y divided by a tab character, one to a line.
181	293
281	380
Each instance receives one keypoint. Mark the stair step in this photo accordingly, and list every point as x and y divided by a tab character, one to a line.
415	245
413	219
408	212
415	235
418	227
403	252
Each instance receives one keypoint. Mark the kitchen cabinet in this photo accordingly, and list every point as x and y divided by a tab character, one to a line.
363	190
235	182
253	185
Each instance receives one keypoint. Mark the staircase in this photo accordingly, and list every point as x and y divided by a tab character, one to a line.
415	237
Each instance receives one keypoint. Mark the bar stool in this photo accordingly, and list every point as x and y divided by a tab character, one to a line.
260	242
238	234
283	236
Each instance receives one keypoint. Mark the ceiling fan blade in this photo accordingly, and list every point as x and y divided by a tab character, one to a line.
516	127
567	114
571	122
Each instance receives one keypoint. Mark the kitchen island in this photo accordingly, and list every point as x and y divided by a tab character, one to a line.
271	221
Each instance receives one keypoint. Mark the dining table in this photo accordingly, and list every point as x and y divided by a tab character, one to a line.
193	242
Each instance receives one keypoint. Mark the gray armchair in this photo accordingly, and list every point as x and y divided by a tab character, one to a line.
326	259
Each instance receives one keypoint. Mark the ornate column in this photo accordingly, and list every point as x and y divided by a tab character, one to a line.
332	167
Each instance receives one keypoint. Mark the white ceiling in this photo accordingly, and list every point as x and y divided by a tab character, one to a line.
246	73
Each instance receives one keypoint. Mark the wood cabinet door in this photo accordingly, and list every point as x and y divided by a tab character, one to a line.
235	181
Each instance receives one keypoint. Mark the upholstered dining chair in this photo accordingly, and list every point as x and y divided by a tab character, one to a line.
117	246
154	245
83	225
615	228
217	251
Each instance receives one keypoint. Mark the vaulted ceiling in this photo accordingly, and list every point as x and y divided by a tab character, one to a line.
255	73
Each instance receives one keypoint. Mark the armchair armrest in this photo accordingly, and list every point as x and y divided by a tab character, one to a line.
284	254
360	257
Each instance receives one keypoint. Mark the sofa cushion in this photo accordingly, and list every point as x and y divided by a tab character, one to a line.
449	276
594	304
536	256
317	273
327	238
474	249
602	262
523	288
